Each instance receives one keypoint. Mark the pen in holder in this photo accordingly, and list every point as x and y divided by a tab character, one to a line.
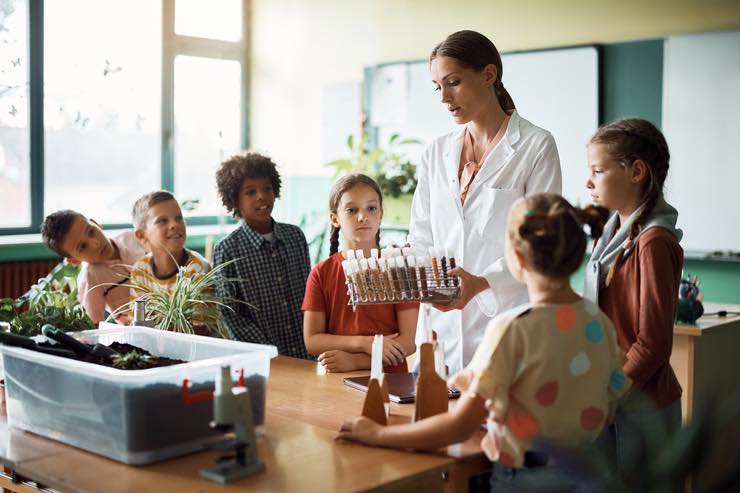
690	307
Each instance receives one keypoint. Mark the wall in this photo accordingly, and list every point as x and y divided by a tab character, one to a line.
300	46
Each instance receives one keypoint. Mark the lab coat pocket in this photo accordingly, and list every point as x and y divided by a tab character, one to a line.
495	210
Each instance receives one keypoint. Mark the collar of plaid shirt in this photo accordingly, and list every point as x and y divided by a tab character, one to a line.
257	239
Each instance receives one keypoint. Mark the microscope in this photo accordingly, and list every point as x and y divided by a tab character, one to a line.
232	410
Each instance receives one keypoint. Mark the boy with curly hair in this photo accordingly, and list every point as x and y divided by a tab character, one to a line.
272	258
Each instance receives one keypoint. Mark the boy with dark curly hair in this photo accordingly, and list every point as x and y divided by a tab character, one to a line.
272	258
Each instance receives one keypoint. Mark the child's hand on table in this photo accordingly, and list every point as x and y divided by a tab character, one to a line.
393	352
336	361
360	429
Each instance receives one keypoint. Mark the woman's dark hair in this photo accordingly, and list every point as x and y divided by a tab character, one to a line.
549	232
475	51
627	141
340	186
234	171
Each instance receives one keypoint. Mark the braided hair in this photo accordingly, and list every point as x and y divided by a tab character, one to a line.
340	186
548	230
627	141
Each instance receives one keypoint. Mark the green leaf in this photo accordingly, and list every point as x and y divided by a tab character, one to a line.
409	141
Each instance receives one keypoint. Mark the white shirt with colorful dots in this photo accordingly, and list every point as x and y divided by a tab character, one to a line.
548	373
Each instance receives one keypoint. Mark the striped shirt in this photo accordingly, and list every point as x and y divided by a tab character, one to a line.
142	273
270	275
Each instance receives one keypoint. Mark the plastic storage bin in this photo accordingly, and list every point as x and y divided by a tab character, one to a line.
133	416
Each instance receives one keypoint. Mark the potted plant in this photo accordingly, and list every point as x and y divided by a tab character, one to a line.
389	166
191	307
53	300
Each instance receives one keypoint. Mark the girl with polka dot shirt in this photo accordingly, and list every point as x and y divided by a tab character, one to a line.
547	372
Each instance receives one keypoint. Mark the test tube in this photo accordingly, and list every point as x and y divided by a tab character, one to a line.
360	254
375	276
453	265
365	273
403	277
393	278
385	280
357	278
423	276
406	251
435	266
443	264
351	289
413	279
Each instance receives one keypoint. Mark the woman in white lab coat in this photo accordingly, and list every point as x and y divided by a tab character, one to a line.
468	179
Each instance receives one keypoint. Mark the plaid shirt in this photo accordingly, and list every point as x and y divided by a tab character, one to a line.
271	276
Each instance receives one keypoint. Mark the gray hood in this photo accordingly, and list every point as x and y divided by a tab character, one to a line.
614	240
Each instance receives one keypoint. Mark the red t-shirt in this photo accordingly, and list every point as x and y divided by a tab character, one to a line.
326	291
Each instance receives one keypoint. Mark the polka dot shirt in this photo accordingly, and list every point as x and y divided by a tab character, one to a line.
548	373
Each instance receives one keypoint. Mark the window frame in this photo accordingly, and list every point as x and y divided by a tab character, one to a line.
172	45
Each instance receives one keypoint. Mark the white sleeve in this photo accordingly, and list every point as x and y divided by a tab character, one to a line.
420	229
544	177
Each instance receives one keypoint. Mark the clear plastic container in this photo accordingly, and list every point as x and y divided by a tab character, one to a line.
133	416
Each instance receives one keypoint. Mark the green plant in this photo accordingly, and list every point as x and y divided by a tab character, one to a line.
390	167
133	360
52	300
663	457
191	303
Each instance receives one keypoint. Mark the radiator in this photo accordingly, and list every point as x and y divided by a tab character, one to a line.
17	277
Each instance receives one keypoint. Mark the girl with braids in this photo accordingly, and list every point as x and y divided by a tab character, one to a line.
545	372
342	338
635	270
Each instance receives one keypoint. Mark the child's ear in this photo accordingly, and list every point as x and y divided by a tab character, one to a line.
639	171
334	220
141	237
521	260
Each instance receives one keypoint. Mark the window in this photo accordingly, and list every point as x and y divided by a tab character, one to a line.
218	19
15	176
207	126
101	102
102	110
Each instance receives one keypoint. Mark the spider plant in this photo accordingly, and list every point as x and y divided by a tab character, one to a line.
133	360
190	303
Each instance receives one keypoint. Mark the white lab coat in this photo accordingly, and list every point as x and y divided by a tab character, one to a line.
525	161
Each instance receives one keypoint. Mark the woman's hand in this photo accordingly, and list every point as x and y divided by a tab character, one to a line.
360	429
471	286
336	361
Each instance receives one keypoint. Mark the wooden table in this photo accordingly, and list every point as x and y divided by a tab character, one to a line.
304	411
705	359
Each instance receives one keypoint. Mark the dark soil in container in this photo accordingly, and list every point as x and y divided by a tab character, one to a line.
123	349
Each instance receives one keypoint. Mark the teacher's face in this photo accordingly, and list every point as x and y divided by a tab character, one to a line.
466	93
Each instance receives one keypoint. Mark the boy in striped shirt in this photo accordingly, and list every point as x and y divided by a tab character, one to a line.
160	228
